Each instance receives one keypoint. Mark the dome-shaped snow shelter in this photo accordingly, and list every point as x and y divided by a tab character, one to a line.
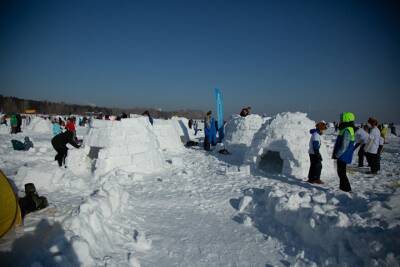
281	146
129	144
10	213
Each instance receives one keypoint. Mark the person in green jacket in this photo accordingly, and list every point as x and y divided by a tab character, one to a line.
14	124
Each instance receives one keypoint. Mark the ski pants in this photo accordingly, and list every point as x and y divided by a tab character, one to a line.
373	162
344	181
61	155
361	153
315	168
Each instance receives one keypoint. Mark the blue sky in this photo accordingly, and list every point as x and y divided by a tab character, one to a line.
320	57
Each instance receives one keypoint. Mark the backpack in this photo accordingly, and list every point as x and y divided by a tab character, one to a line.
32	201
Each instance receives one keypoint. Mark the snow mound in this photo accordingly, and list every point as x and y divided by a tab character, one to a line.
78	161
129	144
39	125
322	228
281	146
167	135
240	131
182	127
96	227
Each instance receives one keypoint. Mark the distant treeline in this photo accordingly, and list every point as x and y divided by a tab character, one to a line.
17	105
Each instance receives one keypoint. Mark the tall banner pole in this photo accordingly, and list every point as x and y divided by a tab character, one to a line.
220	113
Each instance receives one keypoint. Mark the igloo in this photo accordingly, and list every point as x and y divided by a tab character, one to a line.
167	135
239	133
129	144
281	146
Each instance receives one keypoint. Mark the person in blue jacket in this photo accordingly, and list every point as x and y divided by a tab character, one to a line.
314	174
56	128
209	131
344	147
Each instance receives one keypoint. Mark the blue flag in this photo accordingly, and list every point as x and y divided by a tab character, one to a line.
220	113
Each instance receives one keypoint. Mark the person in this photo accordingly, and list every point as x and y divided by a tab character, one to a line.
380	149
14	124
392	129
60	142
195	127
56	127
209	131
344	147
147	113
336	126
3	120
28	143
245	111
314	174
372	146
361	140
19	123
190	123
384	131
70	126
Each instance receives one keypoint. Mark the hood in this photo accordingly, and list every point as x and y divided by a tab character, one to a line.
313	131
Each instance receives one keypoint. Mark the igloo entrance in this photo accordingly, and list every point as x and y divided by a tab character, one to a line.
271	162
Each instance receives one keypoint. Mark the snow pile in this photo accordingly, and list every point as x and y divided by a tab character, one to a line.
323	229
181	125
281	146
167	135
78	161
96	227
129	144
239	132
39	125
5	129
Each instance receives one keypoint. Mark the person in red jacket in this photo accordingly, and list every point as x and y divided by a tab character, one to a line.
70	126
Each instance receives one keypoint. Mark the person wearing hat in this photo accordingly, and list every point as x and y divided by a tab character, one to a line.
344	148
314	174
372	147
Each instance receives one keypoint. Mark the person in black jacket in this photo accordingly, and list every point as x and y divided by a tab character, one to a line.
60	142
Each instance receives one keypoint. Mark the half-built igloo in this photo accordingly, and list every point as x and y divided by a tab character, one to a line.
129	144
281	147
167	135
239	133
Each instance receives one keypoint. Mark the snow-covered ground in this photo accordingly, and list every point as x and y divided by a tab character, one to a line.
187	207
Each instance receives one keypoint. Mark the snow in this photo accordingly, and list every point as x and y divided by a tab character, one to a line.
39	125
145	200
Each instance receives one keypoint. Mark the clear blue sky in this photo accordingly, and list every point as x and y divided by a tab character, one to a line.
321	57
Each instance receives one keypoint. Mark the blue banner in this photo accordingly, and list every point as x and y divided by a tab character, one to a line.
220	112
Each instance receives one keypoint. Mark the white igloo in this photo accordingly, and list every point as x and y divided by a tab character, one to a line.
129	144
281	146
167	135
239	133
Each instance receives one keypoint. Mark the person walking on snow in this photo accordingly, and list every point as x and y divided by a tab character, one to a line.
60	142
314	174
344	147
372	146
361	139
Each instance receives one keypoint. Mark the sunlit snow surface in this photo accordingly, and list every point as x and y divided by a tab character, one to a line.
198	208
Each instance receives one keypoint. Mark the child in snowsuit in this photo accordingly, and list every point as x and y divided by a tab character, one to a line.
314	174
344	147
60	142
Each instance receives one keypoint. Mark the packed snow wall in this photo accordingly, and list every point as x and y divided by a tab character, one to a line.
167	135
281	146
39	125
129	144
240	131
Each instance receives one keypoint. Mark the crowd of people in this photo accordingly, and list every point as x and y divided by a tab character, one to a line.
369	138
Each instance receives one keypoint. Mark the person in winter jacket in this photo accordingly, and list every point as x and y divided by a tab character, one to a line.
14	124
19	123
70	126
344	147
56	128
361	139
314	174
209	131
60	142
372	146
